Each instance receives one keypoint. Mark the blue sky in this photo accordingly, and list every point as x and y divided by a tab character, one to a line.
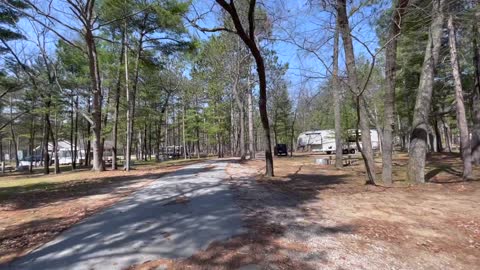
297	23
294	21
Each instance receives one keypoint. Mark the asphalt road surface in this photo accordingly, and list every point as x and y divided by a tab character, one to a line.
174	217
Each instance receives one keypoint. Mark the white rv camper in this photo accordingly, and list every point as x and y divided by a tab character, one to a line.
324	141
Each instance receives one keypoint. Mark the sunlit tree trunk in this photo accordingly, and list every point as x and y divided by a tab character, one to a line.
54	135
241	112
46	133
336	102
14	138
461	115
390	78
94	70
128	146
476	91
116	112
418	139
363	121
251	136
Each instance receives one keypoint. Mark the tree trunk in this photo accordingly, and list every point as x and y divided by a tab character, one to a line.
116	112
128	147
54	137
292	130
197	129
2	160
362	121
14	139
418	139
241	111
31	144
183	132
336	102
476	91
448	137
461	115
251	146
438	136
46	133
390	77
72	130
249	40
89	142
165	143
75	136
97	94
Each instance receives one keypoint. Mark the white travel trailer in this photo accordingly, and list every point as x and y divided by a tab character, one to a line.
324	141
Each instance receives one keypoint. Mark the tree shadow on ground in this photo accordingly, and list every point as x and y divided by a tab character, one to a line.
431	175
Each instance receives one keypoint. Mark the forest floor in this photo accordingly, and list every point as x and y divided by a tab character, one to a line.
34	208
316	217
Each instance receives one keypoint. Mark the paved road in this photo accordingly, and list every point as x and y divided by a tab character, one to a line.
148	225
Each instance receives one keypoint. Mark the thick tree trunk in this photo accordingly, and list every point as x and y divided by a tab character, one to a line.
363	121
262	104
336	102
461	115
418	139
97	96
476	91
390	77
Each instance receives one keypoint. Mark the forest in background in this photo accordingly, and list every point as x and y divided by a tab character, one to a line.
138	76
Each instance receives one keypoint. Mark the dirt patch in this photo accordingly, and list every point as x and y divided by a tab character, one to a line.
33	215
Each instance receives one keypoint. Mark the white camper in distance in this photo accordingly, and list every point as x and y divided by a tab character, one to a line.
324	141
